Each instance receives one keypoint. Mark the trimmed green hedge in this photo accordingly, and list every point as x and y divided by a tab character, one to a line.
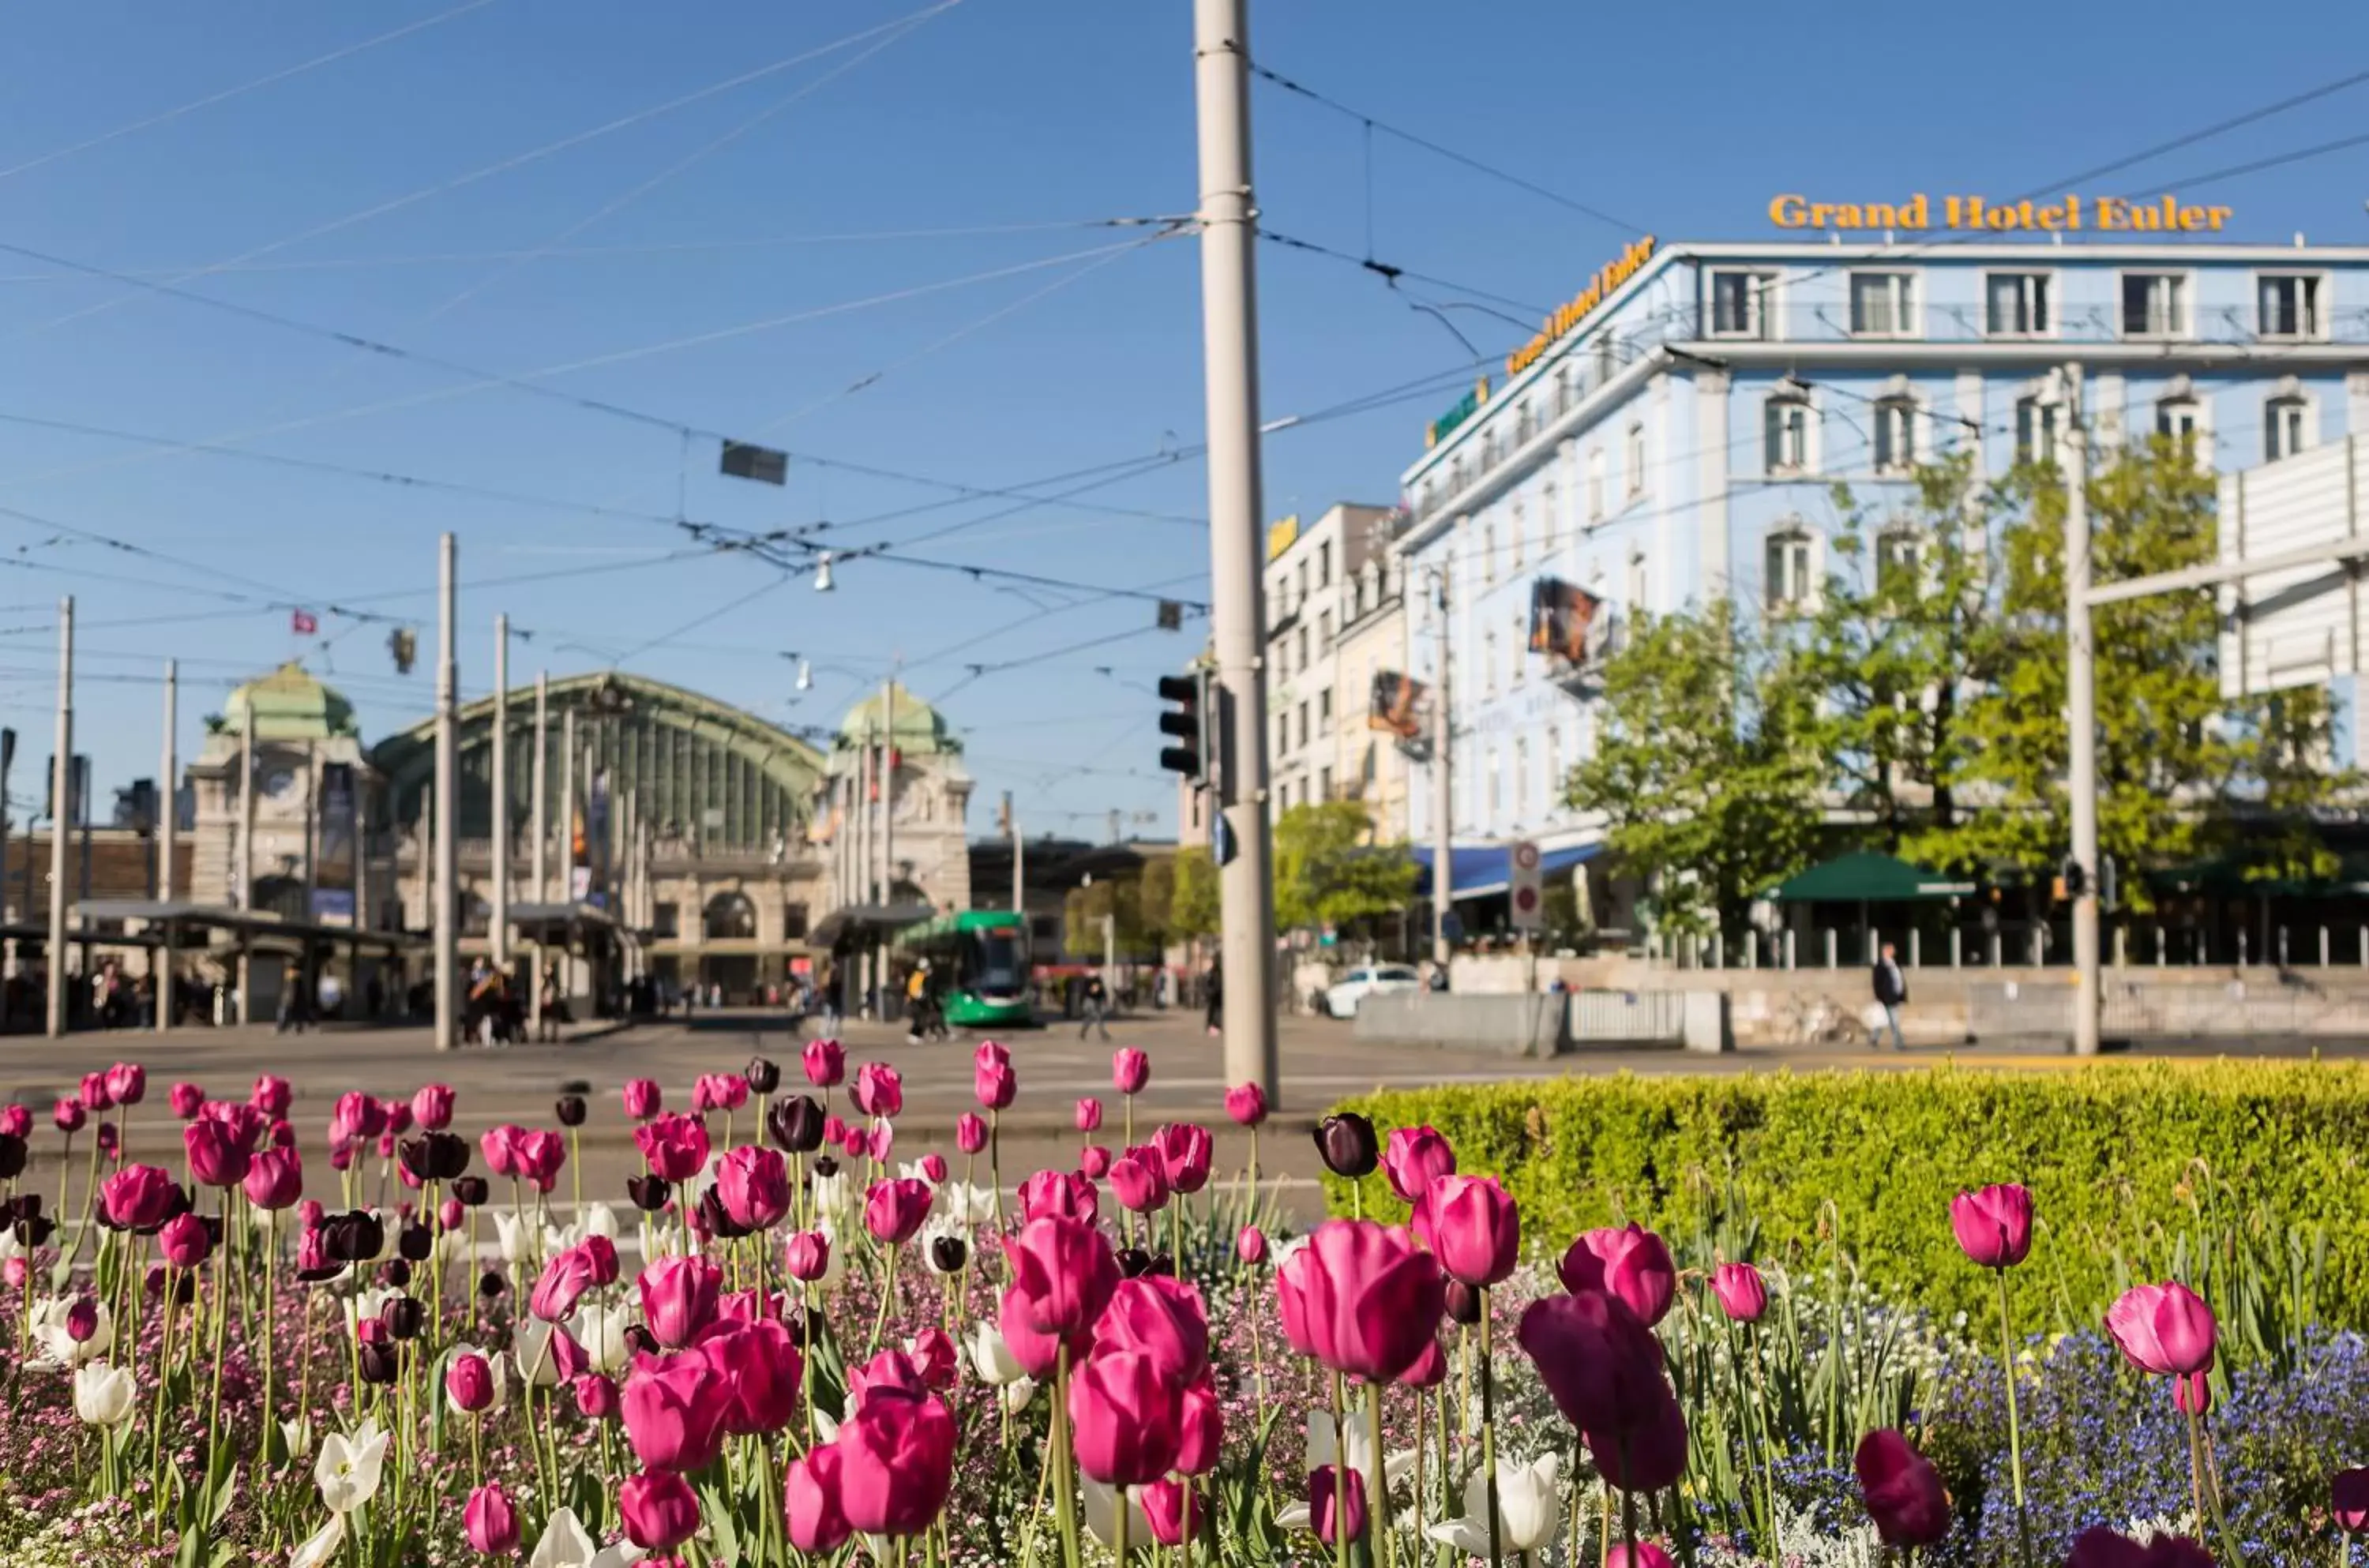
2121	1158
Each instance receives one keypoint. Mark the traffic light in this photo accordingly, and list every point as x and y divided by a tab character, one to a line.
1187	720
2077	879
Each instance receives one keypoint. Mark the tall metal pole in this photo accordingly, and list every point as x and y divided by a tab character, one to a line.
538	871
501	921
168	825
61	814
567	807
888	792
1442	813
1229	372
448	804
2081	700
245	870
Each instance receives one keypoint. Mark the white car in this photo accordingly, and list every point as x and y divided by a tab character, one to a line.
1342	998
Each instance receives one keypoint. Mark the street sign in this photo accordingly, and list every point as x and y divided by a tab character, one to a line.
1529	906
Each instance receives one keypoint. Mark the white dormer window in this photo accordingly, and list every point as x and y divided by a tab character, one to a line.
1785	434
1788	562
2285	427
1895	435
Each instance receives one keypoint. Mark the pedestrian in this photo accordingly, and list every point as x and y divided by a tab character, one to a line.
292	999
1095	999
1214	998
555	1009
1892	995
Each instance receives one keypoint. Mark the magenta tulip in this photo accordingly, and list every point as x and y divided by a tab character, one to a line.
970	1132
94	1096
754	1185
879	1089
1162	1317
895	1211
272	1095
1130	1070
1088	1117
126	1083
1413	1157
1246	1105
138	1197
2164	1329
1173	1510
933	1352
897	1464
2098	1547
431	1107
825	1063
1649	1456
1250	1245
597	1396
185	1099
68	1115
890	1372
1427	1370
1647	1555
719	1092
1185	1151
659	1509
1038	1353
807	1255
541	1152
216	1158
1742	1294
16	1121
489	1521
1093	1162
1063	1272
1902	1490
498	1144
1123	1417
1597	1359
2348	1499
810	1500
469	1382
1630	1263
1058	1192
356	1114
643	1099
275	1178
993	1082
761	1368
1994	1225
678	1298
566	1278
1139	1182
1472	1225
1361	1297
1336	1504
674	1146
674	1408
184	1242
1201	1427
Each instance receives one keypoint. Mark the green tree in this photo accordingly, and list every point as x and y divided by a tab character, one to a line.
1193	908
1325	873
1155	899
1705	770
1084	909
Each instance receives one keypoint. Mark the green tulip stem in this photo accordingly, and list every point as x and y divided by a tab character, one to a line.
887	1294
1339	1476
1064	1500
1488	1434
2014	1426
1380	1510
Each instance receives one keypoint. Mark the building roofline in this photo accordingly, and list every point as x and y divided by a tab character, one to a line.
1904	251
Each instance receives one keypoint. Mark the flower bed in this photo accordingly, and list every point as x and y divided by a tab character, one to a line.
807	1350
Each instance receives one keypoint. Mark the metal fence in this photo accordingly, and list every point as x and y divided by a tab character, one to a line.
1629	1017
2278	1003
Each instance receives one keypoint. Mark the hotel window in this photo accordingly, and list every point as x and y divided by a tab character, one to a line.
1517	644
1430	496
1324	711
1303	724
1283	731
1899	560
1595	486
1788	568
1489	555
2035	430
2155	305
1554	765
1607	358
793	922
1566	389
1493	785
1522	424
1488	664
1548	522
2284	428
1324	563
2017	305
1325	783
1785	432
1739	304
1880	303
1324	632
1895	435
1638	584
1521	526
2176	417
1636	459
1521	778
1299	654
2290	306
1456	475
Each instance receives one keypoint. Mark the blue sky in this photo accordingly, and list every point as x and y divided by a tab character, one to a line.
363	195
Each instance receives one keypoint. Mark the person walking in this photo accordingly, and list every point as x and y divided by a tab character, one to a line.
1095	1003
292	999
1214	999
1892	995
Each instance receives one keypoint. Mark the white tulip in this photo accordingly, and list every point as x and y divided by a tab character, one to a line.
1527	1518
597	1220
351	1467
991	1354
911	1171
104	1395
564	1544
1016	1394
969	1204
297	1437
832	1194
512	1237
1101	1512
942	1225
57	1347
530	1349
320	1549
602	1331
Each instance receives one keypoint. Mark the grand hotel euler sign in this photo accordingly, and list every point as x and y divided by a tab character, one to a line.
2067	215
1574	311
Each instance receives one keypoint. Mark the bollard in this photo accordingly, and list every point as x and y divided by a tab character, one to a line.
2039	949
2122	946
1830	947
1953	946
2323	947
2241	947
2160	957
1789	947
1914	960
2283	947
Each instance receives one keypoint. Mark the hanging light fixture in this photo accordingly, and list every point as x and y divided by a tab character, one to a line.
805	676
823	573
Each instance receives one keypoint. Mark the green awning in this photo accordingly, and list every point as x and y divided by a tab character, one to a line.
1867	877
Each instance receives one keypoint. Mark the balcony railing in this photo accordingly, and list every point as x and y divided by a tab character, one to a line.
1834	322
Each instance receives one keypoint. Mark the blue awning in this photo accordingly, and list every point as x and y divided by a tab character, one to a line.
1481	870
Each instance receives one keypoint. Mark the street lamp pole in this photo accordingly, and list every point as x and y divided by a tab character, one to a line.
2081	702
447	879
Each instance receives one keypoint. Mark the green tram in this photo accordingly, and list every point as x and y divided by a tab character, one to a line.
981	956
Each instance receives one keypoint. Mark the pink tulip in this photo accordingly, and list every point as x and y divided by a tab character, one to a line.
807	1255
970	1132
137	1197
1336	1504
993	1082
395	1116
1597	1359
810	1499
1130	1070
1093	1162
2164	1329
1630	1263
451	1215
754	1185
68	1115
16	1121
540	1153
431	1107
469	1382
564	1280
2348	1500
357	1115
342	1153
825	1063
834	1131
855	1144
1902	1490
275	1178
1037	1352
126	1083
1361	1297
659	1509
1994	1225
1063	1272
1428	1369
673	1146
245	1124
1161	1317
1201	1428
1742	1293
1472	1225
95	1094
895	1211
271	1095
674	1408
1647	1555
1250	1245
185	1099
1139	1180
643	1099
1172	1510
2102	1548
678	1298
1058	1192
1413	1157
110	1140
880	1140
1089	1115
500	1147
1123	1417
933	1168
719	1092
762	1369
933	1350
879	1090
216	1158
489	1521
1246	1105
1185	1151
896	1463
1650	1456
2192	1394
597	1396
891	1371
184	1242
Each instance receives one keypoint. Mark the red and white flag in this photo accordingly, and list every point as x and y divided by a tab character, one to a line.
303	623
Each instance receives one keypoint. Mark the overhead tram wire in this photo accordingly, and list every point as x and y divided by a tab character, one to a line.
1389	274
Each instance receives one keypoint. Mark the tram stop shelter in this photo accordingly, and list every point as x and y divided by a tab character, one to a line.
169	927
593	950
864	930
1872	886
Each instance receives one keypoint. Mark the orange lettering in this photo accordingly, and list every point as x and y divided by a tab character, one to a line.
2191	218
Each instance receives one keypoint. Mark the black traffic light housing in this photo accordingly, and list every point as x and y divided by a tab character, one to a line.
2076	878
1190	721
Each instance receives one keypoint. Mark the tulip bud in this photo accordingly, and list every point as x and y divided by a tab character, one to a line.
82	1320
1130	1070
933	1165
570	1110
1093	1162
469	1383
596	1396
1250	1245
413	1242
763	1076
381	1364
807	1256
403	1316
490	1523
1336	1504
1347	1145
947	1253
649	1193
395	1274
451	1215
490	1284
185	1099
68	1115
970	1132
826	1166
472	1190
1463	1302
1090	1116
795	1124
1246	1105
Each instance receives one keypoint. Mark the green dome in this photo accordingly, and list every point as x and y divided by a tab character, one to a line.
289	705
920	728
